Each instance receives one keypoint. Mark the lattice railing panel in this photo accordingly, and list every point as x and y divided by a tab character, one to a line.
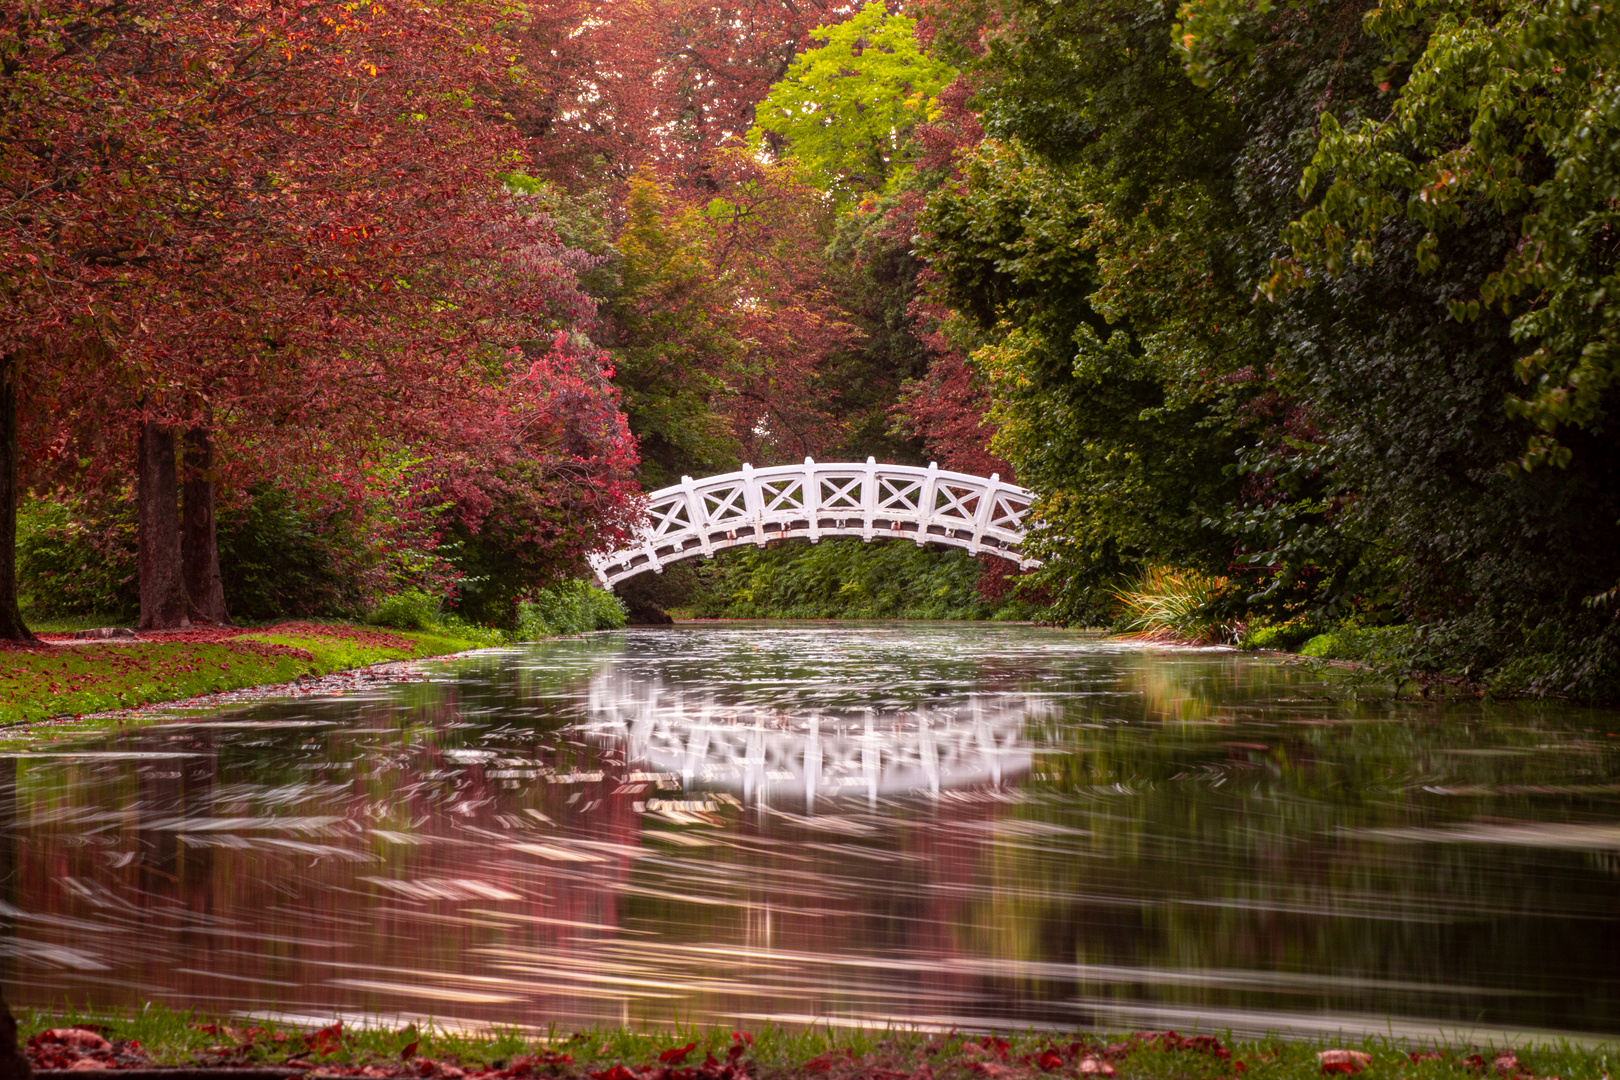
756	506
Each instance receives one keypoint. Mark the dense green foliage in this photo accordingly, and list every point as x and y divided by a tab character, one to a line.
849	579
847	108
280	557
1313	303
570	607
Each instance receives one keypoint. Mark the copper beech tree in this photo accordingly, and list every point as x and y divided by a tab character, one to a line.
656	85
275	223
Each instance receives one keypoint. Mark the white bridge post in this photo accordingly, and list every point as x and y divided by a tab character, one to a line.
925	503
755	502
697	516
869	498
810	499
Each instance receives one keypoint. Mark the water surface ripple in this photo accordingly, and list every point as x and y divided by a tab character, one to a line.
947	825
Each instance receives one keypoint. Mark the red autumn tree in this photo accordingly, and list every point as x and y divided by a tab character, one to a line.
617	86
768	237
258	217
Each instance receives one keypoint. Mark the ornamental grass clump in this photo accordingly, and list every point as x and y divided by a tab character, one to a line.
1170	604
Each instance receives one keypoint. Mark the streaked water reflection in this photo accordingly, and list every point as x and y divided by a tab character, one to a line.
948	825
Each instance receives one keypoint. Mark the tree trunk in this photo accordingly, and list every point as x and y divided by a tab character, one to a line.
164	604
198	533
12	627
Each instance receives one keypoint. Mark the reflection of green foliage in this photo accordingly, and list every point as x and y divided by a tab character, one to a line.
846	110
1214	828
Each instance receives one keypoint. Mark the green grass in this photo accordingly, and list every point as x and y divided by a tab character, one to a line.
173	1037
68	624
73	680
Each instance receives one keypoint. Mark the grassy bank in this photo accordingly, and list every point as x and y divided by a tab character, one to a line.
169	1038
56	679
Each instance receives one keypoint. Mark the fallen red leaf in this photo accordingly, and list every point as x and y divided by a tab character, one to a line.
676	1055
78	1038
618	1072
410	1051
327	1039
1343	1061
1049	1060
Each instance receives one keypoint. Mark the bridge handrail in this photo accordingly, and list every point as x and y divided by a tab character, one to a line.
865	499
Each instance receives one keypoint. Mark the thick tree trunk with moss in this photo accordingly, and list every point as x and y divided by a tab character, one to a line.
12	627
164	603
199	532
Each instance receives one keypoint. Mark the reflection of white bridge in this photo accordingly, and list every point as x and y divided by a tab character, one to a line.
771	754
701	517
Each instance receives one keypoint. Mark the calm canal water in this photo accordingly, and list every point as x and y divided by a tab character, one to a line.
972	825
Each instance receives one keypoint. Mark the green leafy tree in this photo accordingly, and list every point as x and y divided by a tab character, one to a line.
1350	400
674	347
846	110
1510	108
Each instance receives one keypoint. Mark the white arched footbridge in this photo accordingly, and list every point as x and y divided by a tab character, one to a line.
755	506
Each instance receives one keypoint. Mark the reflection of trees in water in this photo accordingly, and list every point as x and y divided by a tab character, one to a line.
436	841
1223	833
325	852
10	876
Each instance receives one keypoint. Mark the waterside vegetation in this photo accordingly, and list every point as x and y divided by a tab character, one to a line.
70	678
164	1037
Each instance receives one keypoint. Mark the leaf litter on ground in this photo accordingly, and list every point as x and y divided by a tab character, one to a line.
158	1037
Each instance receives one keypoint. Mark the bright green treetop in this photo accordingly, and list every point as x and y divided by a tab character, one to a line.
847	109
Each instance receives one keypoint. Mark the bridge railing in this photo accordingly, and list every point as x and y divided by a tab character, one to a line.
756	506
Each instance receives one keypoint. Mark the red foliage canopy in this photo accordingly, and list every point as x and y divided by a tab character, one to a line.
284	219
617	85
